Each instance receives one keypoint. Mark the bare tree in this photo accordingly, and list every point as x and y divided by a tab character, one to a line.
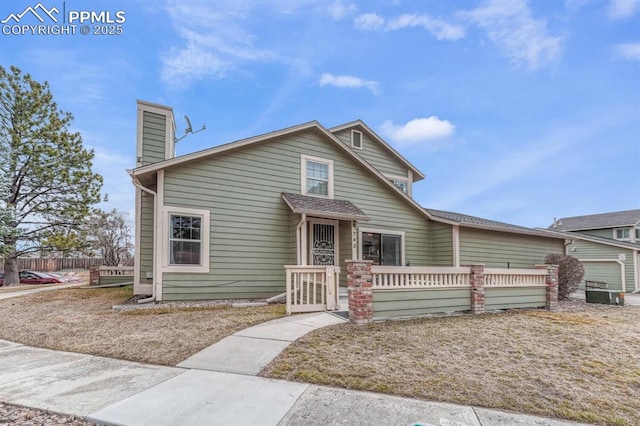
109	235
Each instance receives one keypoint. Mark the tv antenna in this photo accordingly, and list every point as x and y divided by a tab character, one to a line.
189	129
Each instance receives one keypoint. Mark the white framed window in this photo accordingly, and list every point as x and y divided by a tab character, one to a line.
401	182
637	234
383	247
356	139
185	243
621	234
317	176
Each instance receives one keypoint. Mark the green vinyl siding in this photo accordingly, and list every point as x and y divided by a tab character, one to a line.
153	137
146	238
251	226
346	249
514	297
604	233
405	303
441	244
122	279
502	250
375	154
605	271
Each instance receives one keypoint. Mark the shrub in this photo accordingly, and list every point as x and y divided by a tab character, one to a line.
570	273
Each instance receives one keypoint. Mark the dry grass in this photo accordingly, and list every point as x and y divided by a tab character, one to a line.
81	320
580	365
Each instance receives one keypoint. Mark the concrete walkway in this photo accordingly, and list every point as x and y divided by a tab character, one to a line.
217	386
26	292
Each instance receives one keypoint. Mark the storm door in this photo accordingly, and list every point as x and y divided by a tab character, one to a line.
323	242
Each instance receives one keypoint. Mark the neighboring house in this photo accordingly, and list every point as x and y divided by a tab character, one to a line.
223	222
607	244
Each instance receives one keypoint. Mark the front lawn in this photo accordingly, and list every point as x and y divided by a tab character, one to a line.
582	365
82	320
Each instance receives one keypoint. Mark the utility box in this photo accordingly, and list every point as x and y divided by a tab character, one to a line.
606	297
598	292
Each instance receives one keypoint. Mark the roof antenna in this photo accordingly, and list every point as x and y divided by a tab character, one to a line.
189	129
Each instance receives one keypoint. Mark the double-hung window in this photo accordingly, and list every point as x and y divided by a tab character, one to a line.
186	242
317	176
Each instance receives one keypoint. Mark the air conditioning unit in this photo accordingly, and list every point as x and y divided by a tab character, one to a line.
606	297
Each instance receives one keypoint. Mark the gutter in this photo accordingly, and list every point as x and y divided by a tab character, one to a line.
137	184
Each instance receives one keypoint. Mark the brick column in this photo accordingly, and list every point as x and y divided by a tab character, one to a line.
477	289
94	275
552	285
360	291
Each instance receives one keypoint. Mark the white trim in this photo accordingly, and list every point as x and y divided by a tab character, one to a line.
623	274
455	231
361	147
203	267
362	230
336	238
410	177
158	222
303	175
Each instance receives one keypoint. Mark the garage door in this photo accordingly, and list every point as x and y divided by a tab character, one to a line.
609	272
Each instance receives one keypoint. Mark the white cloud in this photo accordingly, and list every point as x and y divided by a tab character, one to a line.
214	41
440	29
436	27
347	81
630	51
369	22
510	25
418	130
339	10
621	9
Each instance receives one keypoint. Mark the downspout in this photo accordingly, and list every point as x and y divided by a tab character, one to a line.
137	184
303	219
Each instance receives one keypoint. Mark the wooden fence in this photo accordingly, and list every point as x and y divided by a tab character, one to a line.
48	264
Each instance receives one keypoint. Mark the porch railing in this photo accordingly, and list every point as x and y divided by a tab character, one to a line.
419	277
311	288
115	271
515	277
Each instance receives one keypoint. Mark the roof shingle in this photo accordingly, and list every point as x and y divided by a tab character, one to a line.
335	209
597	221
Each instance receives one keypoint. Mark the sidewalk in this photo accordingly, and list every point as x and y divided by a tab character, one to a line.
10	294
203	391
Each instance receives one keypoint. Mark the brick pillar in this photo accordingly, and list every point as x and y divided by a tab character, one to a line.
360	291
94	275
477	289
552	285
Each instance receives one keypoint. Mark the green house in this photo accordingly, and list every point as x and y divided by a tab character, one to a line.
221	223
607	244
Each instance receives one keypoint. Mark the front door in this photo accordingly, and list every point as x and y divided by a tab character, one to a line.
323	242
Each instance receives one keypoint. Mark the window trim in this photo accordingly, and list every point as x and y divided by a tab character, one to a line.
203	267
615	234
361	147
303	175
406	179
361	231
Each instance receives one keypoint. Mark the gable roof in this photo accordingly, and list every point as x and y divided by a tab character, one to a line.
595	239
417	174
597	221
332	209
492	225
313	126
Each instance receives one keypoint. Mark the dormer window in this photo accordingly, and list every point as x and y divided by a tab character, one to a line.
402	184
356	139
621	234
317	176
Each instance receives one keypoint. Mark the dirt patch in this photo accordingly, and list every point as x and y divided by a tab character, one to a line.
580	363
82	320
23	416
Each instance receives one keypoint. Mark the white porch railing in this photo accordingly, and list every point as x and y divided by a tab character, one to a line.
419	277
115	271
311	288
515	277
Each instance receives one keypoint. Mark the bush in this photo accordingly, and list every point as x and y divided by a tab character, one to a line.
570	273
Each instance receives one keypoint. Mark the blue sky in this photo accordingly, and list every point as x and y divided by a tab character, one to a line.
519	111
